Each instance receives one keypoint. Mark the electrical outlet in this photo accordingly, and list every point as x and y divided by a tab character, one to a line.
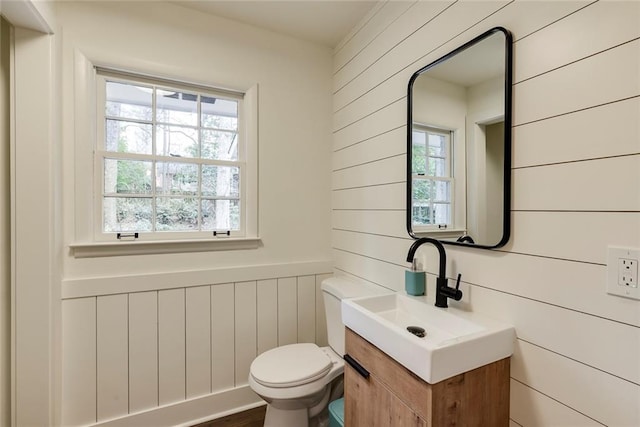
628	272
622	272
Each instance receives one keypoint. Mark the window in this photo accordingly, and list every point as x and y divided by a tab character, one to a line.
170	160
432	178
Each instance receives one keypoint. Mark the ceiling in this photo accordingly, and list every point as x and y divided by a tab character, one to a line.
480	62
324	22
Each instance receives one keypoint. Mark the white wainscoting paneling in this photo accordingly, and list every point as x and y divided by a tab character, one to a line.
198	341
79	370
113	356
223	326
306	307
136	355
267	314
287	312
171	346
143	350
246	334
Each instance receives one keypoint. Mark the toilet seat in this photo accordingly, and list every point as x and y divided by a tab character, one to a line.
291	366
299	380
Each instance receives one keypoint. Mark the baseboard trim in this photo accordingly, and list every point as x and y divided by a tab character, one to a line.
191	412
225	414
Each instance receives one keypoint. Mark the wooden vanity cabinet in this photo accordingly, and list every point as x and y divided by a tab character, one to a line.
394	396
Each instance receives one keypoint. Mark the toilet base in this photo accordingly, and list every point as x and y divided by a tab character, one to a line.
279	417
288	413
299	418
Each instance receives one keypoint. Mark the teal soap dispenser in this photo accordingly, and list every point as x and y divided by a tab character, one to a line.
414	280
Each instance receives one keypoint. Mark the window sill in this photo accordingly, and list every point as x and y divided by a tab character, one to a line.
441	231
441	234
107	249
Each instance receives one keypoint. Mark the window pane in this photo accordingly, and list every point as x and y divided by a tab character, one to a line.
442	191
419	138
442	213
219	113
128	137
437	167
176	178
421	189
419	153
219	145
177	141
220	181
220	214
437	145
176	214
127	176
421	214
126	214
176	107
128	101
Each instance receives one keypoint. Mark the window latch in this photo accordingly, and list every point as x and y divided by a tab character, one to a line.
127	236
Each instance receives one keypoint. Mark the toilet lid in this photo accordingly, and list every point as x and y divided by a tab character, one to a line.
290	365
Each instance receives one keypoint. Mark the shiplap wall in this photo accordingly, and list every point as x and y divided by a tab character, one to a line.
576	189
134	358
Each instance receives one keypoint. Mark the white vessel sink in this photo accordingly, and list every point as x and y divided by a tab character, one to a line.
456	341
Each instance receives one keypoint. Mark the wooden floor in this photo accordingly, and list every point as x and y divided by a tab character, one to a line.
250	418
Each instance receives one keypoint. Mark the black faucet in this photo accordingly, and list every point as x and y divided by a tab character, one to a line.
442	290
466	239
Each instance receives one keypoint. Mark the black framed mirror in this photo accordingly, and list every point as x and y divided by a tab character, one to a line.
459	144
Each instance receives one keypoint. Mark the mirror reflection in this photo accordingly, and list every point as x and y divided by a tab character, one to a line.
459	144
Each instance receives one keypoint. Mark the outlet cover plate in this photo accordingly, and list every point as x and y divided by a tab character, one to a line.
615	285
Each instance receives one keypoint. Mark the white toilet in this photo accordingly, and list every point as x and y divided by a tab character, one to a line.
299	380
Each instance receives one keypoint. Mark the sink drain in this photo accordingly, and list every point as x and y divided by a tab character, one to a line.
417	331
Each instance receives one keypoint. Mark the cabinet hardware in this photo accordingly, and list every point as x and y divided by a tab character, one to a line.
355	365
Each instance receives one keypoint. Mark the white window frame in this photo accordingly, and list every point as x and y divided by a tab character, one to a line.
104	76
449	177
90	241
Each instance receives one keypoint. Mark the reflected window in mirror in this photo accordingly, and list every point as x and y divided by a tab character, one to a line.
432	178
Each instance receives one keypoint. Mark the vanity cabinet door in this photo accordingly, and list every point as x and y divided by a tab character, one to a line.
369	403
407	387
394	396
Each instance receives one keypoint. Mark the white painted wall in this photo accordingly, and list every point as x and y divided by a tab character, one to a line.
576	189
5	230
167	339
294	125
439	103
34	15
485	103
494	179
35	269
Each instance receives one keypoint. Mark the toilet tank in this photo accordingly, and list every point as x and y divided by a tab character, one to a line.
334	290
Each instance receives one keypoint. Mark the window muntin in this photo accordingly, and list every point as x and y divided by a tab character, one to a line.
432	204
169	160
